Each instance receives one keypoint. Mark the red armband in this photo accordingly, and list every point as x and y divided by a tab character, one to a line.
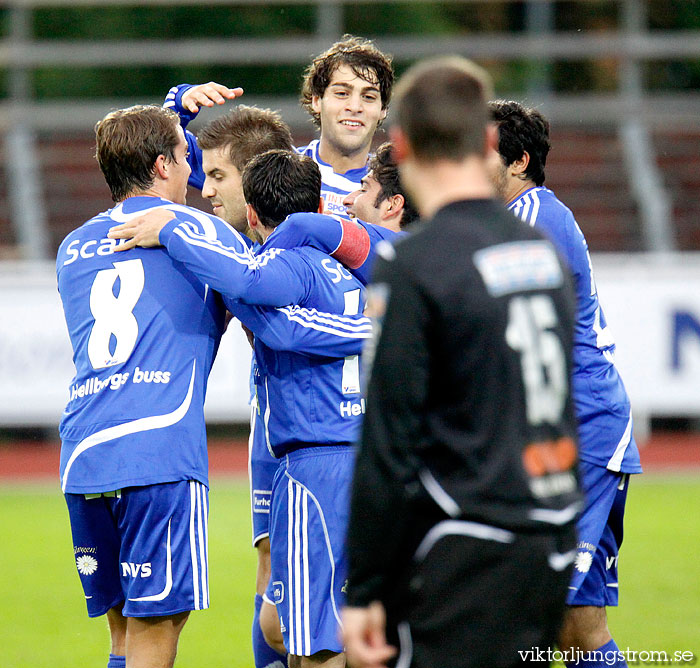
354	245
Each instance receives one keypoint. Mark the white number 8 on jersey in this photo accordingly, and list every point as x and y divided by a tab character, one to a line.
114	315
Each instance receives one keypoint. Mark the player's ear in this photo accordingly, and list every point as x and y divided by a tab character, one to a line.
252	217
491	138
401	149
519	166
160	167
316	103
396	203
321	205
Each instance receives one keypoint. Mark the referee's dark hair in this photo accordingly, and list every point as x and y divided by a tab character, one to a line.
440	105
278	183
522	129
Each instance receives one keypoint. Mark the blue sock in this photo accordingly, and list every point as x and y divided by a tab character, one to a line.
264	655
606	656
116	661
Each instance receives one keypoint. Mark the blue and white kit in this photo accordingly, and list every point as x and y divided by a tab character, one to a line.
144	336
335	187
607	449
145	333
307	402
133	457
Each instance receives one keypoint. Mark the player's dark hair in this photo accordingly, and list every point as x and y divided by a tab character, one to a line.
440	105
278	183
522	129
128	143
363	58
247	132
383	167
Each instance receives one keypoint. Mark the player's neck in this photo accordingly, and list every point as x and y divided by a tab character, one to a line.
339	160
516	188
153	191
437	184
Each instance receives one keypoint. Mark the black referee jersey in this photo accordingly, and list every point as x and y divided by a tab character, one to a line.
468	404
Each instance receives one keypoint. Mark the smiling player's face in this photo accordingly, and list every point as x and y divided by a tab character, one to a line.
350	110
362	203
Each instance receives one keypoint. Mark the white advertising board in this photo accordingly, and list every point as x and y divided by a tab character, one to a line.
652	304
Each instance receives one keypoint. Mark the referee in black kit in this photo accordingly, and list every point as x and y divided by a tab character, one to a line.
465	495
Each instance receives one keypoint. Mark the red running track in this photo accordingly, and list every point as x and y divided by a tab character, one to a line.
664	452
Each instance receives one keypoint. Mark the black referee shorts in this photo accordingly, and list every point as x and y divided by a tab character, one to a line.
481	596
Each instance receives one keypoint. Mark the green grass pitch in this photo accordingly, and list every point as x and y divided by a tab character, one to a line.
43	623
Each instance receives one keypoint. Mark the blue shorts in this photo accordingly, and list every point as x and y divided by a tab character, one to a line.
262	466
310	509
144	546
599	529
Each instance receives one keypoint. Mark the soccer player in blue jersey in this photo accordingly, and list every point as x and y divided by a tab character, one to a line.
145	333
346	91
133	456
607	450
312	407
222	149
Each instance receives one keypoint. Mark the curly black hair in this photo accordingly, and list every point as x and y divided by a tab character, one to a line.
522	129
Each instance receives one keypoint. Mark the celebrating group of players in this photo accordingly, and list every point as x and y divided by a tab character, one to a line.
289	252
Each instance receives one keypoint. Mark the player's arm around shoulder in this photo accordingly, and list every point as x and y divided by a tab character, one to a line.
143	230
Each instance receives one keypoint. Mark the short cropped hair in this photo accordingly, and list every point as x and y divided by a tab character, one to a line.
383	167
363	58
278	183
440	105
522	129
247	132
128	143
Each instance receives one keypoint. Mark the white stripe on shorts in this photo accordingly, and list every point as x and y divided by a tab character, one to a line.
201	534
193	548
461	528
299	578
199	539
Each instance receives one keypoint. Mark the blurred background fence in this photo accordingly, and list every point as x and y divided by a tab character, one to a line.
618	79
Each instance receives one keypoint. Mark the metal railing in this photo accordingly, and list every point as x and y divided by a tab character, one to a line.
631	45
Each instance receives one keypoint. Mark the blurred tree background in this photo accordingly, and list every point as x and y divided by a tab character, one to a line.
374	20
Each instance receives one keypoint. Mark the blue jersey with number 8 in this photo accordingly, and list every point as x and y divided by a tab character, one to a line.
144	332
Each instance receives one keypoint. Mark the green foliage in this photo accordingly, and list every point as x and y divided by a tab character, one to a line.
175	23
150	84
43	621
98	23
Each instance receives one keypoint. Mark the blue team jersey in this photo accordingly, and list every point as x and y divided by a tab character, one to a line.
144	332
601	401
334	187
353	242
312	399
303	398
